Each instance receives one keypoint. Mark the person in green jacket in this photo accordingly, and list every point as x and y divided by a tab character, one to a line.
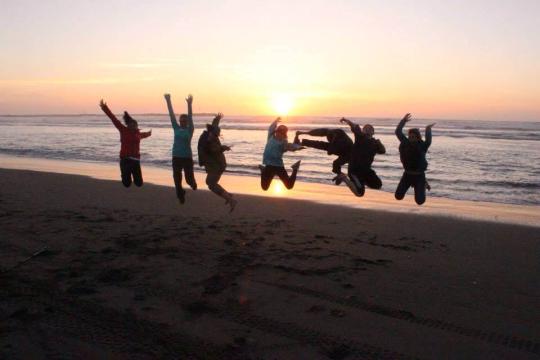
182	157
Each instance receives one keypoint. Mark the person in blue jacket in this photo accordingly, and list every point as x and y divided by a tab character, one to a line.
276	146
412	153
182	157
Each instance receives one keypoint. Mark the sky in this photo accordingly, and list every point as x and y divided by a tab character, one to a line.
455	59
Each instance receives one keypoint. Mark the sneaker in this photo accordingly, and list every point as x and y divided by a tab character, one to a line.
296	165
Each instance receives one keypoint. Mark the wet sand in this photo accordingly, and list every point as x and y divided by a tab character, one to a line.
314	192
129	273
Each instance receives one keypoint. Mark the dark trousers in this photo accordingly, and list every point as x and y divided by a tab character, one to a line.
330	148
417	181
185	164
269	171
129	169
213	174
323	145
364	177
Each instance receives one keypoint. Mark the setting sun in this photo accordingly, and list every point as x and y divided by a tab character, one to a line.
277	188
282	104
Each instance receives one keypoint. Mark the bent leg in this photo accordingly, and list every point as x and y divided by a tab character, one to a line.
212	179
354	183
190	176
372	180
358	184
321	145
420	189
318	132
287	180
338	163
402	187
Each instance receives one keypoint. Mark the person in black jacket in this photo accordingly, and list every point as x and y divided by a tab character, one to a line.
339	143
412	153
212	157
363	153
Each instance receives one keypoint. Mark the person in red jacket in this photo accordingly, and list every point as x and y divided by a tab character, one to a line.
130	138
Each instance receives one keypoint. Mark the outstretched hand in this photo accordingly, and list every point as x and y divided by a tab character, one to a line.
343	120
103	105
219	116
189	99
278	119
150	132
167	96
407	118
430	126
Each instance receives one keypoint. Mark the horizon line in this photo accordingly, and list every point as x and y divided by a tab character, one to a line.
273	115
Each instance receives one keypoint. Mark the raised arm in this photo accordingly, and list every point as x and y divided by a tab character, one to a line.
399	128
171	111
355	128
273	126
428	135
189	101
108	112
217	119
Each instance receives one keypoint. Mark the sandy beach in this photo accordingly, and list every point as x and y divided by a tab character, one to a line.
129	273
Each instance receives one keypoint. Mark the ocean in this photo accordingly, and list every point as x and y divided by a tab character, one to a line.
493	161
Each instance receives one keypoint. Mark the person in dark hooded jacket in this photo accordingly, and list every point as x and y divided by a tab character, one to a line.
412	153
364	149
338	143
212	157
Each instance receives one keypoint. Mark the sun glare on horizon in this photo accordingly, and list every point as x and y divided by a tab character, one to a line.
282	104
277	188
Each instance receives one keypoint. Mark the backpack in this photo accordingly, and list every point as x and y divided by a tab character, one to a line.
202	148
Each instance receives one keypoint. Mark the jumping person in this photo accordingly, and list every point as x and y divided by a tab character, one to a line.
212	157
363	153
182	157
412	153
130	138
339	143
276	145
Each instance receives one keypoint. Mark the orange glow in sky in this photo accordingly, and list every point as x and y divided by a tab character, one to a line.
435	58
